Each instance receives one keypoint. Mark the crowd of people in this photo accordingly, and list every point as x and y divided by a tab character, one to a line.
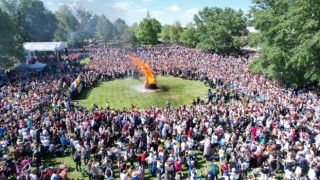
247	127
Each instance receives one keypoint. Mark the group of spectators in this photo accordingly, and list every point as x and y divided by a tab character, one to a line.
247	127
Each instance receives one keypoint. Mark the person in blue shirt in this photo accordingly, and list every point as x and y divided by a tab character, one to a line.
64	143
1	131
77	160
28	124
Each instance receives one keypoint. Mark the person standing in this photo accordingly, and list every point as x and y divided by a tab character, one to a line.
77	160
168	104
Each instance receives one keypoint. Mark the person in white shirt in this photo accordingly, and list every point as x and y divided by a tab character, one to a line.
183	146
312	173
4	145
45	142
78	148
221	154
124	175
150	160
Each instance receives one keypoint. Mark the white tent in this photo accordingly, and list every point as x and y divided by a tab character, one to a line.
45	46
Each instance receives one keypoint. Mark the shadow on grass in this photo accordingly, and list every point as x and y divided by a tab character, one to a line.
164	88
85	93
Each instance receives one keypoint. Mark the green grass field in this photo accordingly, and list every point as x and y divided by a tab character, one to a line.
85	61
123	92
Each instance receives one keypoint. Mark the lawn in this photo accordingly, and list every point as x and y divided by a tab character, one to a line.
85	61
123	92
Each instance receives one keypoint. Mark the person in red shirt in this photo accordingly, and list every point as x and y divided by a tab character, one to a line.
190	132
142	158
224	167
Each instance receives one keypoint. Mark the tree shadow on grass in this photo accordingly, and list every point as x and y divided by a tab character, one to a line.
85	93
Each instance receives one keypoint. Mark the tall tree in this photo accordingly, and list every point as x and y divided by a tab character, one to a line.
121	28
220	29
67	25
105	30
289	39
129	38
165	33
83	29
175	32
92	25
189	36
37	22
10	46
148	31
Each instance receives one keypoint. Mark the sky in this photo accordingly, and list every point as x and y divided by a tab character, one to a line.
165	11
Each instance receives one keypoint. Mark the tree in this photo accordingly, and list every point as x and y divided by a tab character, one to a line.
165	33
289	40
92	25
10	46
37	22
120	27
220	29
128	38
148	31
83	29
68	25
189	36
175	32
105	30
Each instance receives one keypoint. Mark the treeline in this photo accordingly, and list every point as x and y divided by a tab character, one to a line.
30	21
288	33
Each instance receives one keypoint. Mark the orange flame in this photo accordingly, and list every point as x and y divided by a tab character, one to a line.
149	76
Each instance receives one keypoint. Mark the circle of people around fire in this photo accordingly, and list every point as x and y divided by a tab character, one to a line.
247	127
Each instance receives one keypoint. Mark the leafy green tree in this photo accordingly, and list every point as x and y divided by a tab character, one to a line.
105	30
175	32
92	25
9	6
289	34
165	33
189	36
84	18
38	23
35	21
10	45
128	38
68	25
120	27
148	31
220	29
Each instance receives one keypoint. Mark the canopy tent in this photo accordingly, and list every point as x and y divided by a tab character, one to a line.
35	66
45	46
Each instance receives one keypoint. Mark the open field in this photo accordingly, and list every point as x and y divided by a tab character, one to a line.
124	92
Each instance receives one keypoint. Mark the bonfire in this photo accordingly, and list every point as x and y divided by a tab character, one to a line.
150	79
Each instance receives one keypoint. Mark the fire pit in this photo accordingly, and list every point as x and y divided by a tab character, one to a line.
150	79
151	86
